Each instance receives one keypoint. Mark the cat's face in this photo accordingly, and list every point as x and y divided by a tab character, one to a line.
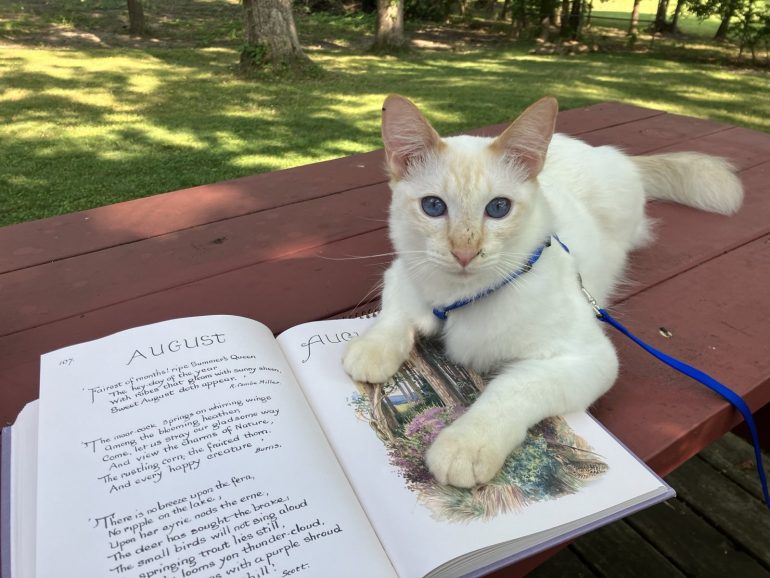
461	205
459	213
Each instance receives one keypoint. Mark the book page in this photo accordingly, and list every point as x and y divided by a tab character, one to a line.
185	448
568	468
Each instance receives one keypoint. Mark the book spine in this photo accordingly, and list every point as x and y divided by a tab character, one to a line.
5	503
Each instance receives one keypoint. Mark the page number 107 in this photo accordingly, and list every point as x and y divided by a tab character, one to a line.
66	362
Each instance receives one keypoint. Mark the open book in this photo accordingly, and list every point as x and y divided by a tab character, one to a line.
206	447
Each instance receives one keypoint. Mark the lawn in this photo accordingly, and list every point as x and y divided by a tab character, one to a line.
87	126
617	13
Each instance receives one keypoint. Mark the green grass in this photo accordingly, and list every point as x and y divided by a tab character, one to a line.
89	126
617	14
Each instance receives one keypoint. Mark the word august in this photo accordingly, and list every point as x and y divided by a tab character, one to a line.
326	339
176	345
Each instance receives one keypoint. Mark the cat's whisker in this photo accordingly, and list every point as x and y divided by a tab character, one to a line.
377	289
356	257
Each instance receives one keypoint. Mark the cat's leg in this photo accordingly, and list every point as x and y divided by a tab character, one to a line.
472	450
376	356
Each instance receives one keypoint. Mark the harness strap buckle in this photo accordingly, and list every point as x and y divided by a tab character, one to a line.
590	298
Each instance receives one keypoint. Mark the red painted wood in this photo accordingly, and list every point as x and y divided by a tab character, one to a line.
686	237
35	242
101	278
650	134
165	261
746	148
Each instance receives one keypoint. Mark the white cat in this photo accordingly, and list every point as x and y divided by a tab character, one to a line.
467	215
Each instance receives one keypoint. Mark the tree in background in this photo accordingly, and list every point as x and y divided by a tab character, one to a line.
752	28
724	9
572	18
633	28
271	36
660	24
537	16
389	31
135	17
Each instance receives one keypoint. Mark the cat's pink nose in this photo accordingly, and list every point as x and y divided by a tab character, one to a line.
464	256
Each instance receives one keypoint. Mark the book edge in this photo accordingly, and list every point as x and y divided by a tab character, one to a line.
5	503
632	508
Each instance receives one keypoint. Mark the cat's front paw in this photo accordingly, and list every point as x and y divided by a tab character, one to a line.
464	456
373	360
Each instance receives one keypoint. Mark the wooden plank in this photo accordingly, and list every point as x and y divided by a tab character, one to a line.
732	457
724	504
647	135
46	240
565	563
761	417
692	544
687	237
617	550
101	278
747	148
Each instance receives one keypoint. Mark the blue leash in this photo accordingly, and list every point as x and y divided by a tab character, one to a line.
693	373
602	314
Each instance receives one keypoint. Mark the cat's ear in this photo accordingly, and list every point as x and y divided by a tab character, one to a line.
406	134
525	142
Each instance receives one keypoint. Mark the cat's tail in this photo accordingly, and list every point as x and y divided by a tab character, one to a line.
693	179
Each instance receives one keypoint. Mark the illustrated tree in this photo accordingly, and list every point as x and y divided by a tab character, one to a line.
135	17
389	31
271	36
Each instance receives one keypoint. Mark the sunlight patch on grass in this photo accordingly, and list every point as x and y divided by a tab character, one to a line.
15	94
97	99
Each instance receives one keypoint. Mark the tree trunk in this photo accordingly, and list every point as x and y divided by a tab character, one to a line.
575	19
633	29
675	20
390	25
271	37
724	25
660	17
564	20
135	17
491	9
504	10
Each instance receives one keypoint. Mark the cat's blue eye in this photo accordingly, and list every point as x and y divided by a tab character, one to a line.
498	208
433	206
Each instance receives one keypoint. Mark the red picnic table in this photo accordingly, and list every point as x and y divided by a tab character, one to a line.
271	247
